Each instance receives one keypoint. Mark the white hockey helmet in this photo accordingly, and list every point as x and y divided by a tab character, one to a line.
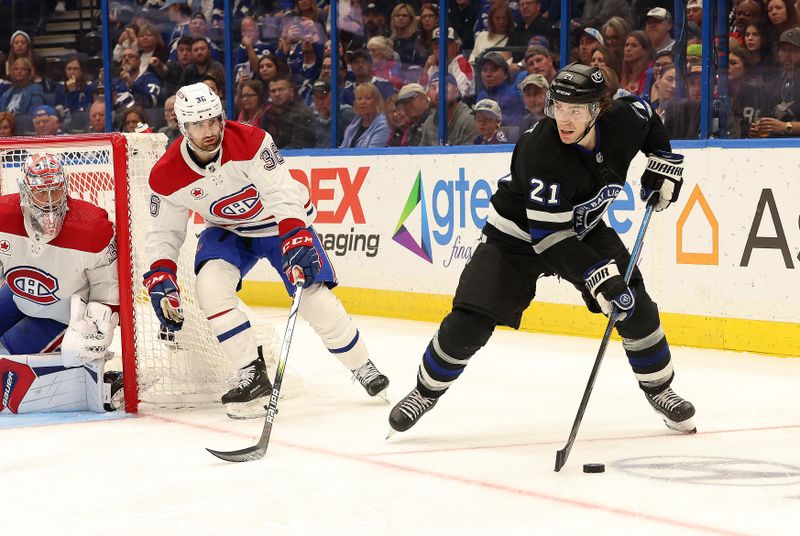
43	195
195	103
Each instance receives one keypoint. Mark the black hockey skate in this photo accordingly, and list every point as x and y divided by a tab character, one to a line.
117	399
370	378
677	413
408	411
248	399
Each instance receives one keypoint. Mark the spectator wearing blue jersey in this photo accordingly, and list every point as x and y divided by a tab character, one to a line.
494	74
145	87
180	15
24	95
75	92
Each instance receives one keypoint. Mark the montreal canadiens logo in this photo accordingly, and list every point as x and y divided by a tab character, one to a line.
33	285
5	247
198	193
243	205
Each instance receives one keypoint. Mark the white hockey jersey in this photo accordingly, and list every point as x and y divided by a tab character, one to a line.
82	259
247	190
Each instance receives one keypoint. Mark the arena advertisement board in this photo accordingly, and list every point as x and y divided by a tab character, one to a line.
727	249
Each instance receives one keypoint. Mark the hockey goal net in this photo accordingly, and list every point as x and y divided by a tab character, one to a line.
111	171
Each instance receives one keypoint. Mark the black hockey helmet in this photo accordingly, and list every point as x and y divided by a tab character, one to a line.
578	84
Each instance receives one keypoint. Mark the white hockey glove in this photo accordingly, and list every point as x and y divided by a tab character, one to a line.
90	332
662	177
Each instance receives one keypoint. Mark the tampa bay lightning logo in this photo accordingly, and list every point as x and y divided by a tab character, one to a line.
33	284
588	214
242	205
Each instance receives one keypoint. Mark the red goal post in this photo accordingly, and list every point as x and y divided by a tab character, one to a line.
111	171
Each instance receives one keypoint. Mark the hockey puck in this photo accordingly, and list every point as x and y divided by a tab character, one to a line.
594	468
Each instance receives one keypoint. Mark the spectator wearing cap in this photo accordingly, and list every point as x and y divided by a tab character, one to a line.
370	127
657	26
428	21
783	92
46	121
24	95
462	15
460	123
144	86
414	103
97	116
534	90
404	34
8	125
589	41
682	118
289	121
374	22
487	122
75	92
202	62
251	48
597	12
171	129
638	56
537	60
361	65
180	15
457	64
250	102
198	27
694	12
499	28
494	75
533	24
322	106
398	123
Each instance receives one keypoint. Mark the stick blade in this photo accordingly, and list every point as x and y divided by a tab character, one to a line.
561	459
244	455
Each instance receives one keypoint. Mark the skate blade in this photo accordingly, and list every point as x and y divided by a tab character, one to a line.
248	410
683	427
383	395
391	433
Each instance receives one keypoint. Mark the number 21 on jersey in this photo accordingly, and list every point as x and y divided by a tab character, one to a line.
543	193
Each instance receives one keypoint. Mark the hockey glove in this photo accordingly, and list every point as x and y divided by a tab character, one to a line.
662	177
609	289
90	332
165	297
298	250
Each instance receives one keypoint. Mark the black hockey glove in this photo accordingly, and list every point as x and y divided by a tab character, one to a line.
608	288
662	177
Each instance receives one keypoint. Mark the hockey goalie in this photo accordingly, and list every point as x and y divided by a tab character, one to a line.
59	296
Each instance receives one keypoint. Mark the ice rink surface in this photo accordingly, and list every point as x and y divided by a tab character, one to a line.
481	462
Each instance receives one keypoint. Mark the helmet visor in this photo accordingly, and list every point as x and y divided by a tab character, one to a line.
564	112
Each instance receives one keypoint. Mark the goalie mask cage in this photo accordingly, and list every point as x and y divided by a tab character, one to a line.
111	171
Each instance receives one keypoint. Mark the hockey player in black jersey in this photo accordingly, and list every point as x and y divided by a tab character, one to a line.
546	219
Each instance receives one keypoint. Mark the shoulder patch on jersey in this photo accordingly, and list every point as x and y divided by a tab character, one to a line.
86	228
241	142
11	216
171	173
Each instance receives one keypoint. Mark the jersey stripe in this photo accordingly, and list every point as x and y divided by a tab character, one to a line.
552	239
552	217
505	225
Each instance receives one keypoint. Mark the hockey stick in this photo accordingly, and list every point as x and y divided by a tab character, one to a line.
257	451
561	455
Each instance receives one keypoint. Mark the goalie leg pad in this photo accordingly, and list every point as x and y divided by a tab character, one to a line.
217	281
326	314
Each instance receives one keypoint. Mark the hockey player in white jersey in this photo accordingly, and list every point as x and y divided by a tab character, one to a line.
234	177
60	288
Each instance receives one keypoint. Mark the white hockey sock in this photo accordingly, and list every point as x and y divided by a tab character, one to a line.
326	314
216	293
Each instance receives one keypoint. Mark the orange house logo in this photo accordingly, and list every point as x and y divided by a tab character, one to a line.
689	257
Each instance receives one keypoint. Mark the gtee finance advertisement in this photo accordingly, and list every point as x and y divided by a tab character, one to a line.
728	250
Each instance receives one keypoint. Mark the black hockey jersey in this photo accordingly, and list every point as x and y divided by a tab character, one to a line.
558	193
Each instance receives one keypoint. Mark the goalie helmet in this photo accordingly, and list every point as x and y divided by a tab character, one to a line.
43	195
577	84
195	103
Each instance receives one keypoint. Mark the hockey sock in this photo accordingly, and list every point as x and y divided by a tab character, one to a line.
650	360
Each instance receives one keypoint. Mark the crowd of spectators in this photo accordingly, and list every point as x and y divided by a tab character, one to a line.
501	57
